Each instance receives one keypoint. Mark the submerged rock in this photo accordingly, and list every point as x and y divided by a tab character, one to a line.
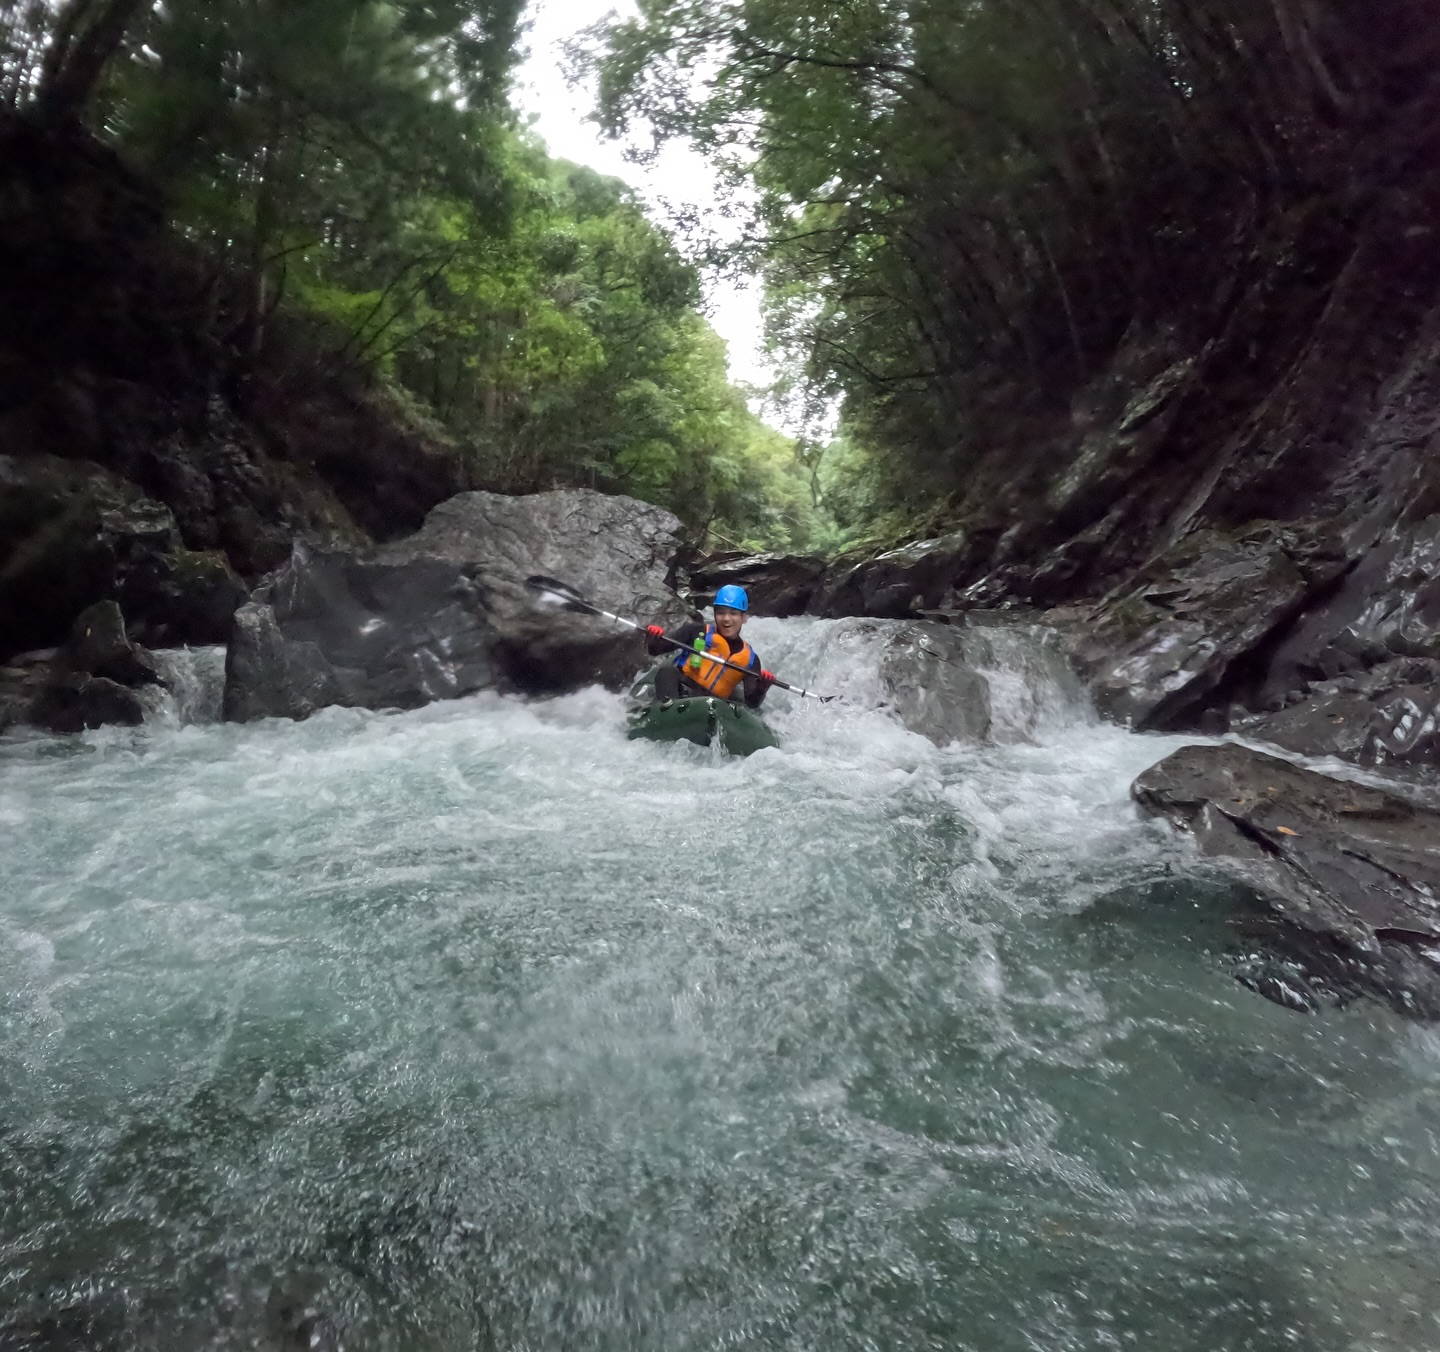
446	613
1351	874
933	688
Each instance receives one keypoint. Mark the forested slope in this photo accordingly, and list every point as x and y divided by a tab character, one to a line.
1083	274
298	270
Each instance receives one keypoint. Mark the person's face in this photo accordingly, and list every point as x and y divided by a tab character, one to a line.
728	621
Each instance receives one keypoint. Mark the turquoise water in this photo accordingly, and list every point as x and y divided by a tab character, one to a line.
481	1027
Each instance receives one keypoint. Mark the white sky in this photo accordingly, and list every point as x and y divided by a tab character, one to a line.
680	175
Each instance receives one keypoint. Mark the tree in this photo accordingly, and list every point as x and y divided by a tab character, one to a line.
962	207
353	166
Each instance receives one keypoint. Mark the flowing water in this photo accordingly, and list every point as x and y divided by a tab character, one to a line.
481	1027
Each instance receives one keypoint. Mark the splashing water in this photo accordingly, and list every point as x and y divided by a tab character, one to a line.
194	682
481	1026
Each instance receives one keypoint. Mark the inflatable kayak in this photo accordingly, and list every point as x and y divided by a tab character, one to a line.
701	719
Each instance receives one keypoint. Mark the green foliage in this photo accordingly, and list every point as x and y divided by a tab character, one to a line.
355	161
963	206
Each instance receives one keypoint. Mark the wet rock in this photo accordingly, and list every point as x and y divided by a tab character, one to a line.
445	612
1156	652
72	533
267	677
1386	607
1351	873
932	687
91	679
21	679
334	628
778	584
898	584
296	1319
99	646
72	701
1389	715
1358	674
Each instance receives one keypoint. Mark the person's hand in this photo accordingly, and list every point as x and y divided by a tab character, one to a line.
655	630
769	677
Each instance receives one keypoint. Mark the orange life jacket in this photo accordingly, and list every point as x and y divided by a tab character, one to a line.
720	681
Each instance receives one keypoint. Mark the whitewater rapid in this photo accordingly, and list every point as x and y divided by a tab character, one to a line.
483	1027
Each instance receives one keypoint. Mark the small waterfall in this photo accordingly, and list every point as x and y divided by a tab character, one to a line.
194	684
1034	691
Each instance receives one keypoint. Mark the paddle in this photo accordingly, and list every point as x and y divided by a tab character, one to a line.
559	593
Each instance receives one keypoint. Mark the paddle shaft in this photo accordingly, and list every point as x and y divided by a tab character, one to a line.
709	657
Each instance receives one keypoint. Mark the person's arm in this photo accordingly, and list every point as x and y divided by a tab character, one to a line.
685	635
756	683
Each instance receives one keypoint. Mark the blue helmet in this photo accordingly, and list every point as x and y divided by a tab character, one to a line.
732	596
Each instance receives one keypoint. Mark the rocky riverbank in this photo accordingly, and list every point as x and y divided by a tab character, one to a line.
1298	635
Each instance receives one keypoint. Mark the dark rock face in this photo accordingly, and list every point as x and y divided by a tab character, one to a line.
1351	873
1389	715
72	532
1358	675
1155	652
21	680
778	584
445	613
92	678
897	584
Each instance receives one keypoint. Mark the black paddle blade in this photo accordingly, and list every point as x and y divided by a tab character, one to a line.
556	593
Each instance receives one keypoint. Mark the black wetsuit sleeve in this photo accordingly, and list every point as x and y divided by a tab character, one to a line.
684	634
755	688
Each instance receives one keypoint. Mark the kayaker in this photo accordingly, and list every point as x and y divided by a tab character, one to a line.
693	673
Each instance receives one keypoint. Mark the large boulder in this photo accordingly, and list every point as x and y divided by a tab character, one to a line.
446	612
927	673
72	533
1157	651
1350	873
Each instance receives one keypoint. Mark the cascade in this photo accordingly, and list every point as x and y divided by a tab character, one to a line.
194	684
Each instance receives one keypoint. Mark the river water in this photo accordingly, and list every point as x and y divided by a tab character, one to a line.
482	1027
